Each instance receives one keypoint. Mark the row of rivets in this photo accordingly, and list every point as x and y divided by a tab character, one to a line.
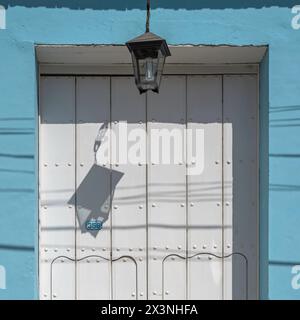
118	249
179	247
69	206
226	203
133	294
57	164
140	259
125	260
139	164
154	205
68	249
97	260
116	207
179	163
205	246
118	164
155	293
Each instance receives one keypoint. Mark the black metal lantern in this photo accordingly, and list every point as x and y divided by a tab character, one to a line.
148	52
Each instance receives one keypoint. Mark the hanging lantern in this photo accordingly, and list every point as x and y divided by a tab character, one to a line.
148	52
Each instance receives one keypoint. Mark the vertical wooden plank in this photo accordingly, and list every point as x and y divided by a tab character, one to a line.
128	111
240	185
57	182
166	114
93	190
204	113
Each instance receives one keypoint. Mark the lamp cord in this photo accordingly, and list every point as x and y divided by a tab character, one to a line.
148	16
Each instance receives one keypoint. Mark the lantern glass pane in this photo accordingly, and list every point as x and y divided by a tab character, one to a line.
135	67
148	72
160	66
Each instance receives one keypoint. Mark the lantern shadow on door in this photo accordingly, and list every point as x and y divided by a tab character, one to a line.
92	198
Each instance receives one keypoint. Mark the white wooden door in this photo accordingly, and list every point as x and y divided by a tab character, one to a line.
148	196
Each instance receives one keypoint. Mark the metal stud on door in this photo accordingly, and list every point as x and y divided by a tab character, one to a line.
93	190
181	226
240	179
204	187
57	184
129	219
167	191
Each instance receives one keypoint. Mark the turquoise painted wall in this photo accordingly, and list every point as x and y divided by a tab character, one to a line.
115	21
